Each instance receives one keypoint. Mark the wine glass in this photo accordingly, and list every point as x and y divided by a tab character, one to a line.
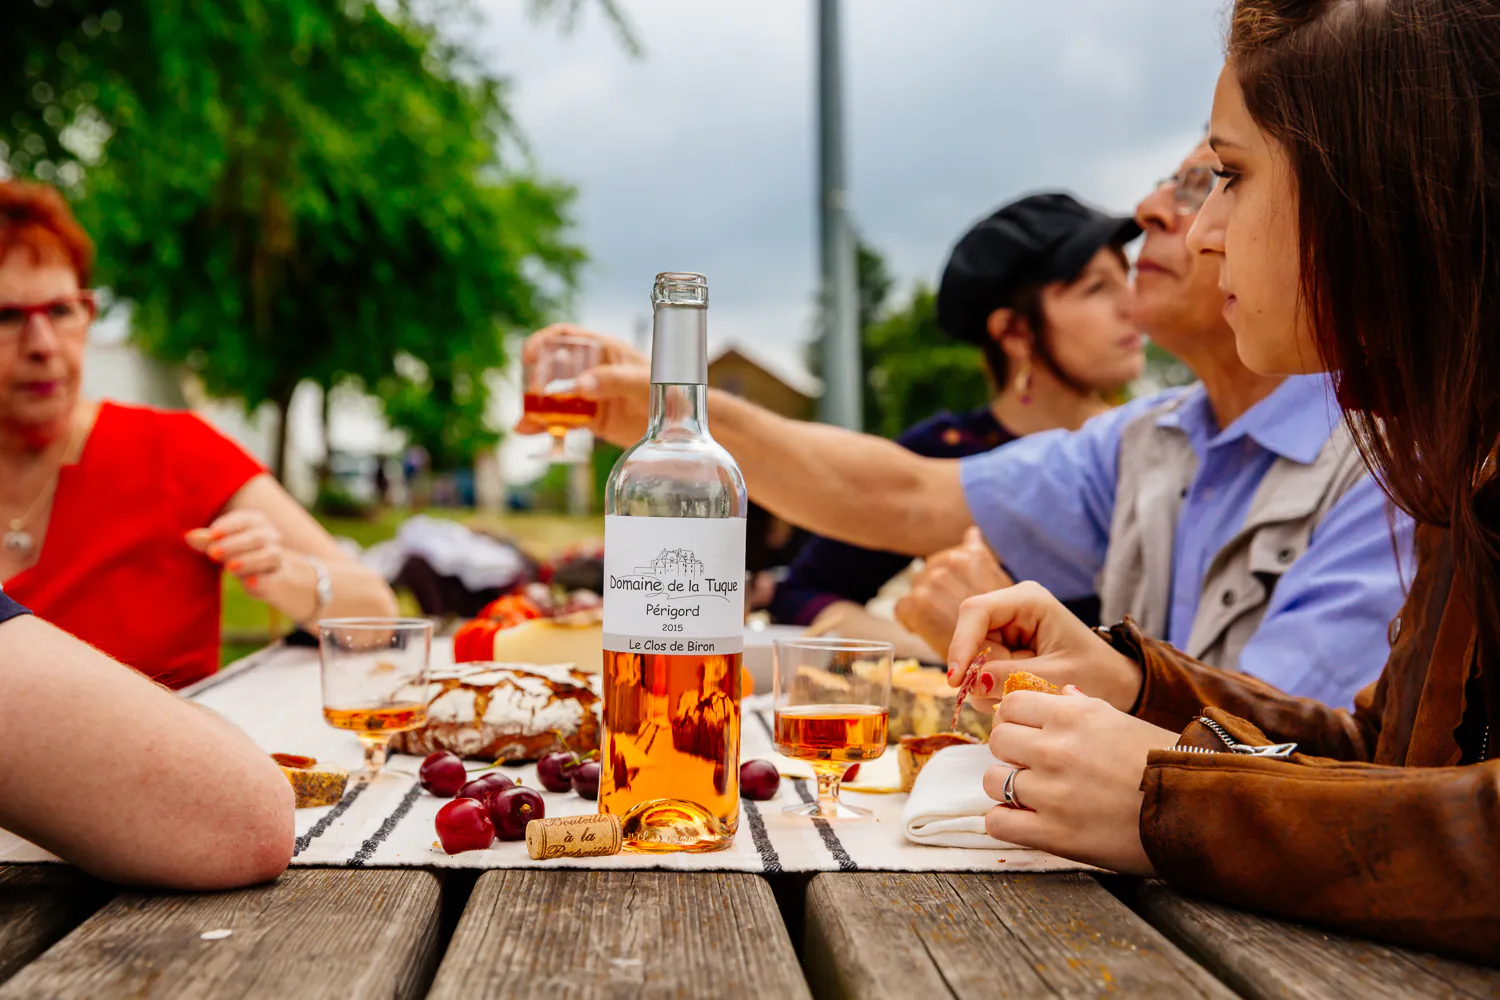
375	680
832	702
551	388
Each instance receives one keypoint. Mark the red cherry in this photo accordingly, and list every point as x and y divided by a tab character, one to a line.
852	773
464	825
485	786
512	809
759	780
554	771
586	779
443	774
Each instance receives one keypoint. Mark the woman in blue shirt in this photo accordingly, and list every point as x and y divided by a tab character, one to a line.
1042	288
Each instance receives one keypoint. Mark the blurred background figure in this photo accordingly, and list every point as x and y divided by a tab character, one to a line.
1042	287
120	519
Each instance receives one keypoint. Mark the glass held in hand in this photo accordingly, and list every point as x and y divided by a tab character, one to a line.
551	389
375	679
832	702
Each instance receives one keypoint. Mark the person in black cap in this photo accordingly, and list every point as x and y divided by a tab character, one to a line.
1041	286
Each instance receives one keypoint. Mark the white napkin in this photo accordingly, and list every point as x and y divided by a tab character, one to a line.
947	805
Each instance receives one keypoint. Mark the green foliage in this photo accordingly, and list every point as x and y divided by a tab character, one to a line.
293	190
915	370
335	500
912	369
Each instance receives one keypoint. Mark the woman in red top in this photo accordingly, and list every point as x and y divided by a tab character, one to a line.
116	521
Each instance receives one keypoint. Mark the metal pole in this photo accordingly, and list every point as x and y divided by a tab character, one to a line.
842	374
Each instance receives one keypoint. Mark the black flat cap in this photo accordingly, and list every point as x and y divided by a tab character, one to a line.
1039	239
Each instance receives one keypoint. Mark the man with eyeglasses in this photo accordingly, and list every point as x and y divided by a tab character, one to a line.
1232	518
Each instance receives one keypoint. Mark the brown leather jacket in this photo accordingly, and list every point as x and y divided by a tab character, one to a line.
1385	822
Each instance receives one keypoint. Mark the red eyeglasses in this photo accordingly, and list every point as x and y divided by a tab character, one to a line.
70	314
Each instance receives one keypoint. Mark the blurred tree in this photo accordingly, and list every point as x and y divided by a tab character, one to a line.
293	190
912	369
915	370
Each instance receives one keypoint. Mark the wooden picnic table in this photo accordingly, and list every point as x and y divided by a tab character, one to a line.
412	933
464	934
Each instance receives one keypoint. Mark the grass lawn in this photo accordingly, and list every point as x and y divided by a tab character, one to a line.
248	624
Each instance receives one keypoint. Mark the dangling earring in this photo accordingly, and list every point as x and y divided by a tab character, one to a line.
1023	382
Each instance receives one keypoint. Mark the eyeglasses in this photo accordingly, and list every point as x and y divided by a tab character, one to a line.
68	315
1190	188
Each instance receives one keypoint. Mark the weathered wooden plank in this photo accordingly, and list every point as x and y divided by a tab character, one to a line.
893	936
38	905
312	933
1264	958
529	935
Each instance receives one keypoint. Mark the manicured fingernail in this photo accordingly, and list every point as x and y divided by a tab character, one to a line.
252	581
234	566
952	669
215	534
1071	689
986	683
215	552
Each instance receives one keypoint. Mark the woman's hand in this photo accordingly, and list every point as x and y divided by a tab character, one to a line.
246	543
1026	622
1079	788
948	579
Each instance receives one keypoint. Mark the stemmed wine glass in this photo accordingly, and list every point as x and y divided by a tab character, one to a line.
832	702
551	388
375	679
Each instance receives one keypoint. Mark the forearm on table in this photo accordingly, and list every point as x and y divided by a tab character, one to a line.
1400	854
1176	688
854	487
128	780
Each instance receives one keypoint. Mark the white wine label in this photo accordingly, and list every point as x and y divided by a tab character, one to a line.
674	585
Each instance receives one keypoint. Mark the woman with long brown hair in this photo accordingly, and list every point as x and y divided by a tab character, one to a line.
1355	221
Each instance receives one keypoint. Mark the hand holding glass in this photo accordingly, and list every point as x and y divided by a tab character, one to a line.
551	388
832	700
375	680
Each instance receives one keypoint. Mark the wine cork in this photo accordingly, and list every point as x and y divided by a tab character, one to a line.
573	837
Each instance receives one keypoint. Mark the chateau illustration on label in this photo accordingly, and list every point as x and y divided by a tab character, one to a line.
674	562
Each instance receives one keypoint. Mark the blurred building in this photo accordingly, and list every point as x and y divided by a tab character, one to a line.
775	385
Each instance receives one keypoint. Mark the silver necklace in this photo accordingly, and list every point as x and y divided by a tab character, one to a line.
18	542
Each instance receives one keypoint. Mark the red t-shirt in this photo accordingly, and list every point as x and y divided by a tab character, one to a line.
115	569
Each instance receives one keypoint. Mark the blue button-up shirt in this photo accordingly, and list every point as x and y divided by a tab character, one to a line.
1045	503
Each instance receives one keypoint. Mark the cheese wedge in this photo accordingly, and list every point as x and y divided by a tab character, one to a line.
543	640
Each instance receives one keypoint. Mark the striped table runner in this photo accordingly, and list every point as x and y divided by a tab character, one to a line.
274	696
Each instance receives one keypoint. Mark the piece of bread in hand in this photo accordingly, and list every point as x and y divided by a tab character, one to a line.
1022	680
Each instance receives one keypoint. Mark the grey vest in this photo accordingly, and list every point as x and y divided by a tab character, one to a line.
1157	465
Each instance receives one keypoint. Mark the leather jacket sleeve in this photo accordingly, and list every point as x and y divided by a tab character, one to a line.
1176	688
1401	854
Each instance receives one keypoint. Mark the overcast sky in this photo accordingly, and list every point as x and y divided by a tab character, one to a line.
701	154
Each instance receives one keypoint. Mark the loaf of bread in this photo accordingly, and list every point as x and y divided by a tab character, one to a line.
508	711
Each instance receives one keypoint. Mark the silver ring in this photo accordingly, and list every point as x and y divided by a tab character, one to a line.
1008	793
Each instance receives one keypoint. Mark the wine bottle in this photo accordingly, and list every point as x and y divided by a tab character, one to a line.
674	590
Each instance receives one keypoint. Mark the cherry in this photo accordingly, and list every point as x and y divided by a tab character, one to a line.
485	786
586	779
553	770
464	825
852	773
443	774
511	809
759	780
